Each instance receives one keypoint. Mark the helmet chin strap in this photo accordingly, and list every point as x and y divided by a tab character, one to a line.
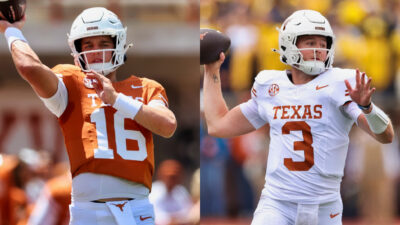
312	68
102	68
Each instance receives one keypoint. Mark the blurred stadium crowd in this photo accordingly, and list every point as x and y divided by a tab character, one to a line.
367	37
35	181
36	191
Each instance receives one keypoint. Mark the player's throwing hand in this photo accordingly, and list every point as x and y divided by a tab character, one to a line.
4	24
362	92
212	69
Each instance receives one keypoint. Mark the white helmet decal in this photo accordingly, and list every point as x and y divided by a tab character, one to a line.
305	22
98	21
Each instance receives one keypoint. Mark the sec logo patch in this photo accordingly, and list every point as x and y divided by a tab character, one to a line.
273	90
88	83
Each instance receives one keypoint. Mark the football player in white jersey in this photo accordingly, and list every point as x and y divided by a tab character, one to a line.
310	110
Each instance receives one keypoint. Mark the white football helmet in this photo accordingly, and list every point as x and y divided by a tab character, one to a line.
98	21
305	22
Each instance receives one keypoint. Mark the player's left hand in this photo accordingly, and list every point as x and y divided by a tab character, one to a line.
103	87
362	92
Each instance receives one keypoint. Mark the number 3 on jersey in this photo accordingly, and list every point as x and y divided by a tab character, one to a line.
305	145
121	135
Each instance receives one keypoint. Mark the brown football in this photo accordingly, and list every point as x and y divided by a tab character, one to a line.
212	43
12	10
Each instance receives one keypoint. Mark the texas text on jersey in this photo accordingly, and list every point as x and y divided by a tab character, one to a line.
302	119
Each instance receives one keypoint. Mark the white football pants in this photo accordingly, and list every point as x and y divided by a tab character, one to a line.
274	212
133	212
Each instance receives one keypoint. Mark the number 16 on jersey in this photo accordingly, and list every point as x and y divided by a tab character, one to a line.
98	117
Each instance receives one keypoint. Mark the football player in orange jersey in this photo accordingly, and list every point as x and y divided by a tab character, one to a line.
107	124
12	197
51	208
310	110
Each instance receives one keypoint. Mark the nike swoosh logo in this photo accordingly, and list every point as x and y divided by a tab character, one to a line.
144	218
320	87
134	87
333	215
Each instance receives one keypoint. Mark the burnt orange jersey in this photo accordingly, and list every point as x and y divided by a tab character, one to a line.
60	191
12	199
53	202
98	138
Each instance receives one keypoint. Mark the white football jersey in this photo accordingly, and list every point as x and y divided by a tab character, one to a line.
309	133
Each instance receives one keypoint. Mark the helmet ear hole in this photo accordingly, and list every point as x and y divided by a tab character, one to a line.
298	59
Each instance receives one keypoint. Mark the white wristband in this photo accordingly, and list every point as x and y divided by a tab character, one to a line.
127	106
12	34
377	120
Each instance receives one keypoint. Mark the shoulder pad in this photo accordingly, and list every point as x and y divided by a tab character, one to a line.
66	70
342	74
265	76
150	83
